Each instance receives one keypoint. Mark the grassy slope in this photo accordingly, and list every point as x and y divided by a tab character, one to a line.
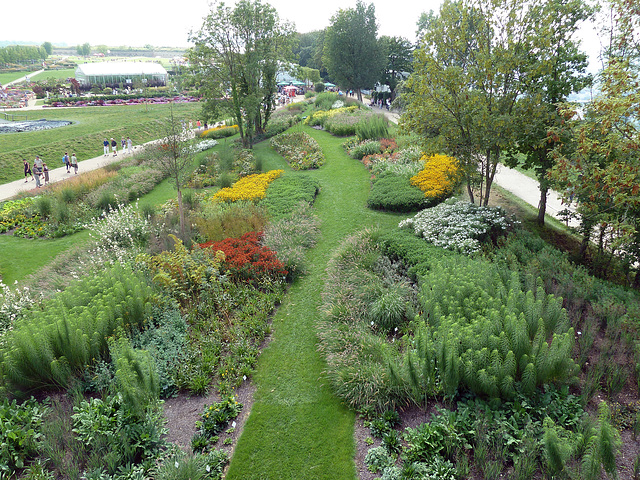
90	126
23	256
297	428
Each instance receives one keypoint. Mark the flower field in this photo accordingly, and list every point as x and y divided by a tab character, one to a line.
251	187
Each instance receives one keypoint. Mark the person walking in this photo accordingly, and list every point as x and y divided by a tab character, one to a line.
37	163
45	170
36	173
123	144
129	145
74	163
65	160
106	147
114	147
27	171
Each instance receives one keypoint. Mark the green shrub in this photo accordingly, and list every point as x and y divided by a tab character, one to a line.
372	127
300	150
359	150
68	195
378	459
44	205
285	194
325	100
20	434
319	87
114	436
216	417
165	338
47	348
394	193
107	201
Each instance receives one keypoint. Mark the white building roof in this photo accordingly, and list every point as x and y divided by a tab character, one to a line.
121	68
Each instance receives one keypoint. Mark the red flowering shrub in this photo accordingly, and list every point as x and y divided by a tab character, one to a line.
388	145
246	260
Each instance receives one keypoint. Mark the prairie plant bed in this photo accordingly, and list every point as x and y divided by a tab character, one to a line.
299	149
488	334
66	207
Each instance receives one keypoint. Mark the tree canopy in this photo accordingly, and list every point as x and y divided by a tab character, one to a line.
597	155
236	57
351	49
398	55
477	59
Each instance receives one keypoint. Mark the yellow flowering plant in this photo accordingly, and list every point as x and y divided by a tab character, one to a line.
251	187
439	176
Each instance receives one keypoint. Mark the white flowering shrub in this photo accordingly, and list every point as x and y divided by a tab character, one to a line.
204	145
13	302
119	234
337	104
457	225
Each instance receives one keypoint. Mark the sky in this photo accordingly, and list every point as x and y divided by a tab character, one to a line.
136	23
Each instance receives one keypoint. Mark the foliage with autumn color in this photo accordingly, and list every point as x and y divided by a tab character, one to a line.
597	152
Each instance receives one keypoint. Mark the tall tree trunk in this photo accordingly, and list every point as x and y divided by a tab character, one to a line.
470	191
542	206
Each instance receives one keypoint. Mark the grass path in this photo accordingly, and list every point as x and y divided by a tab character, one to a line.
297	428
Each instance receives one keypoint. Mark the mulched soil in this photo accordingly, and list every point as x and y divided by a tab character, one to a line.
184	410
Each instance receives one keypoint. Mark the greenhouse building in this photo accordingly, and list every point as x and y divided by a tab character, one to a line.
125	73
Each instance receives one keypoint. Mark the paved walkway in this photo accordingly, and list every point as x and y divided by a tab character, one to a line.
511	180
11	189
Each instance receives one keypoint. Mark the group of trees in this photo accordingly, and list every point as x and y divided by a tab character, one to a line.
23	54
597	157
350	53
490	84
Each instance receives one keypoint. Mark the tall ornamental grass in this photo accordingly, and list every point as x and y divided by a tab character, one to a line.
372	127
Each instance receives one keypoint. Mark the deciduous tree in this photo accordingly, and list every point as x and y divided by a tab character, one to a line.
559	69
398	53
237	54
351	50
601	170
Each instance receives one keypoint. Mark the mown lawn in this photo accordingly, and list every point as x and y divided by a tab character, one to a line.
297	428
23	256
90	126
61	74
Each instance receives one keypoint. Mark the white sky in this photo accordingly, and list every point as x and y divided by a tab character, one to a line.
136	23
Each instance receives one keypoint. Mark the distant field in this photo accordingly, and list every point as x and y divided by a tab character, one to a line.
57	74
90	126
10	77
